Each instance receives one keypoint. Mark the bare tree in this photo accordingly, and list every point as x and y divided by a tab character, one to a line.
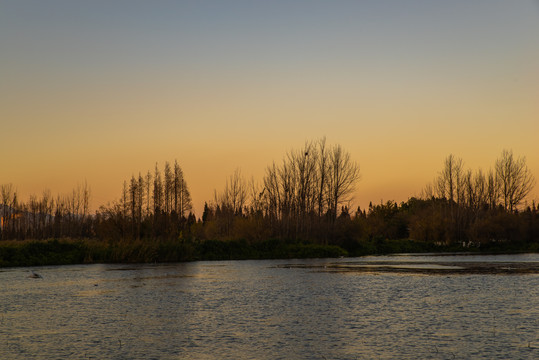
178	177
85	194
234	195
75	203
304	163
475	188
8	199
515	179
309	182
133	201
185	196
46	208
182	196
303	171
148	185
157	191
124	200
450	181
429	191
168	187
33	211
286	175
140	197
343	175
322	167
493	189
272	193
256	194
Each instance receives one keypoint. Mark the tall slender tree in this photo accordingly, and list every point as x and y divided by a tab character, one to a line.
148	186
182	197
168	188
157	191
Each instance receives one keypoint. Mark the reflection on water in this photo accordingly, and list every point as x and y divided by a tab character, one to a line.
422	307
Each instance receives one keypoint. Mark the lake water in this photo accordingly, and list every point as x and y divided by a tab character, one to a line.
391	307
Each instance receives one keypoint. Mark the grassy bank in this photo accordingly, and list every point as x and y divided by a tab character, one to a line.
88	251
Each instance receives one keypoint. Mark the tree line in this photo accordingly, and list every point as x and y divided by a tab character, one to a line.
297	198
152	206
506	185
46	216
306	197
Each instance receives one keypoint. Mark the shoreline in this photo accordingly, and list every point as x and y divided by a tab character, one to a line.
22	253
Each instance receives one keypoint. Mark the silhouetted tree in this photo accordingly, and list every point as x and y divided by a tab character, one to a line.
182	196
157	192
148	186
493	189
322	161
449	182
168	188
234	195
342	178
515	179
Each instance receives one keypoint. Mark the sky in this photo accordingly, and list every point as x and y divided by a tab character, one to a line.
98	91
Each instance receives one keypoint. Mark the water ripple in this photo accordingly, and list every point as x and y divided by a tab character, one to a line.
405	307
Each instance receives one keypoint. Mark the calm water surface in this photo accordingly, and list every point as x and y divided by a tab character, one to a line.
299	309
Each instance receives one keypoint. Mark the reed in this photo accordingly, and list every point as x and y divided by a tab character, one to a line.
87	251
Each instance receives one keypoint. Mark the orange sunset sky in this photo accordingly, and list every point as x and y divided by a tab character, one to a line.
99	90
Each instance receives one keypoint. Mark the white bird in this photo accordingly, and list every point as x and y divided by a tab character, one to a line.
35	275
